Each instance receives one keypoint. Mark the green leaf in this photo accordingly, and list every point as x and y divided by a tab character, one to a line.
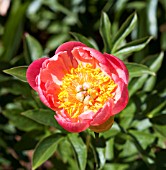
141	144
155	66
116	166
162	41
152	17
54	41
144	138
157	112
137	5
124	31
137	70
20	121
13	30
80	150
101	157
82	39
19	72
33	49
149	83
160	129
111	133
157	63
45	149
43	116
127	115
28	140
160	119
4	78
136	85
133	46
105	31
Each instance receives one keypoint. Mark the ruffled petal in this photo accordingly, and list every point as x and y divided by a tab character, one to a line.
33	70
103	114
56	68
42	92
88	115
121	97
88	55
118	66
68	46
70	126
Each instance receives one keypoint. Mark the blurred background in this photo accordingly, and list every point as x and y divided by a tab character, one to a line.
30	29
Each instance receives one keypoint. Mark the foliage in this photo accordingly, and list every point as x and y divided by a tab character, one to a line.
32	29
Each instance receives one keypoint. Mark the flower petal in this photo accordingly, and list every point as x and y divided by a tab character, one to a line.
88	55
59	65
103	114
71	126
68	46
33	70
119	66
88	115
121	97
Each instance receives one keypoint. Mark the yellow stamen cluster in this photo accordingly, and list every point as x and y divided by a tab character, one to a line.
85	88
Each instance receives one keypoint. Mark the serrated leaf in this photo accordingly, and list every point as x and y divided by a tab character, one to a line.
43	116
19	72
82	39
137	70
105	31
133	46
80	150
124	31
33	50
45	149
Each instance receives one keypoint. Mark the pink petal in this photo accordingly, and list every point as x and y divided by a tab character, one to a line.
33	70
103	114
121	97
119	66
41	91
88	115
71	126
68	46
59	65
88	55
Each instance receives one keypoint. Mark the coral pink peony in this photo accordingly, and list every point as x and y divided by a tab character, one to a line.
83	86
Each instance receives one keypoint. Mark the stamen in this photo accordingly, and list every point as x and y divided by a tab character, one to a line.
87	100
85	88
80	96
79	88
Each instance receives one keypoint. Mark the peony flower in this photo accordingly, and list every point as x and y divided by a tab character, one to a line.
83	86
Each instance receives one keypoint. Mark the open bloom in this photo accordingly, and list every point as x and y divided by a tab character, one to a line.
83	86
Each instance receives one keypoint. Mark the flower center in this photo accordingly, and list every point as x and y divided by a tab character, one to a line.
85	88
